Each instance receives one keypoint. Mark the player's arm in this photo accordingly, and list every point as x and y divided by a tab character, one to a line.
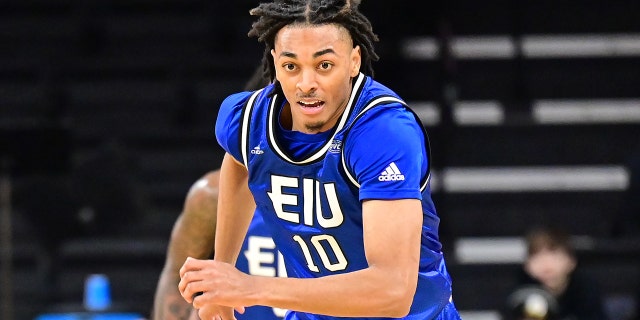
192	236
384	289
199	279
236	207
392	232
236	204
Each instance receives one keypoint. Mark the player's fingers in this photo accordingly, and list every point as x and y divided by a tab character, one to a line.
198	300
202	314
189	289
189	277
201	300
182	285
189	265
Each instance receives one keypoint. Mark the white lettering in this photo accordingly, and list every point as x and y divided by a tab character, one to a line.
336	213
307	184
306	253
258	259
280	199
312	194
261	261
341	264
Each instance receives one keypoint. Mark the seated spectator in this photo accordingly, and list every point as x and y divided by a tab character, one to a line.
552	286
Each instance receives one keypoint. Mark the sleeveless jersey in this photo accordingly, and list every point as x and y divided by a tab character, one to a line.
311	203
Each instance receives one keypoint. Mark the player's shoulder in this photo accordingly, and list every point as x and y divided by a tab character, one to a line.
209	179
205	190
383	119
229	119
373	89
241	98
233	105
236	99
212	177
386	104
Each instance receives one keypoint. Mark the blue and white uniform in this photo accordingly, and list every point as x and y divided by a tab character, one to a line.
260	257
310	187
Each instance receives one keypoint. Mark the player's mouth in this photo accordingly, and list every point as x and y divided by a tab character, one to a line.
311	106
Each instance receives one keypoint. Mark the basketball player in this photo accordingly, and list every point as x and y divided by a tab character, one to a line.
339	167
193	235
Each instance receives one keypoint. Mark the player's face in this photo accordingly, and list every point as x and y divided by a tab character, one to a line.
315	64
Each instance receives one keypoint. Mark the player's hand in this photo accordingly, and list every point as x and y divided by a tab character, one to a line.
209	284
216	312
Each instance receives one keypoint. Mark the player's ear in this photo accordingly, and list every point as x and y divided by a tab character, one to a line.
356	60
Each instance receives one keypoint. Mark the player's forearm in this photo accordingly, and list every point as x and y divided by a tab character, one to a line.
168	303
230	233
371	292
384	289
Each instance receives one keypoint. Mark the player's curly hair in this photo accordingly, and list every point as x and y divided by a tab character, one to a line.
275	15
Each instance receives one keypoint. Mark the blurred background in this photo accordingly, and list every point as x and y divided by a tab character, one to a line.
107	110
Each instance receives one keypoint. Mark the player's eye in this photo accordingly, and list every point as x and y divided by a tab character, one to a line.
325	65
289	66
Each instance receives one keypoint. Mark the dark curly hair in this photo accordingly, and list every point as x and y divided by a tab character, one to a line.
273	16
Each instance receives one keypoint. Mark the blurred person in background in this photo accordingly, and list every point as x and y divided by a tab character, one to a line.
193	235
552	286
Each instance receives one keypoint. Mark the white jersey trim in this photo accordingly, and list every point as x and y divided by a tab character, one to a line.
244	131
369	106
366	108
320	153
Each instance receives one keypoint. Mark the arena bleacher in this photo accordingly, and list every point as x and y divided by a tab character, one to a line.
107	110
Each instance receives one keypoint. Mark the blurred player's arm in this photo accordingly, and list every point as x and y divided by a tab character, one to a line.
235	211
193	235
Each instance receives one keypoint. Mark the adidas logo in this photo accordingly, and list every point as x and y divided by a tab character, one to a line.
257	150
391	173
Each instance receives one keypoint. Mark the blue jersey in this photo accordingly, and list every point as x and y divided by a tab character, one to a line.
310	186
259	256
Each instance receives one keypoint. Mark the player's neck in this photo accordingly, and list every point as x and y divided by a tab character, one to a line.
286	120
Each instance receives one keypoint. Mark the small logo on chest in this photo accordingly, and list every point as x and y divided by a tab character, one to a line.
336	146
